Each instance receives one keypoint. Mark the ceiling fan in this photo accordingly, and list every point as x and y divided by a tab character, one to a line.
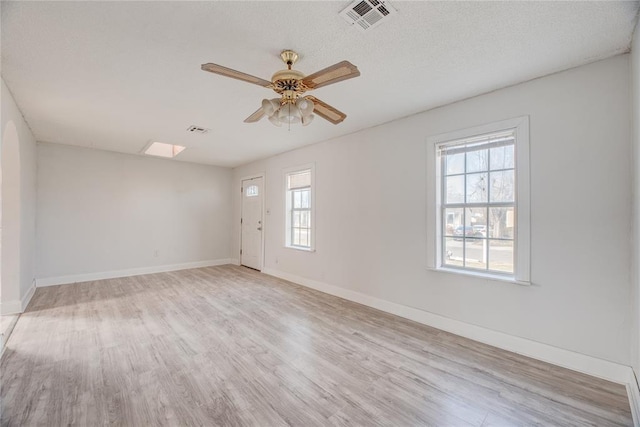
293	106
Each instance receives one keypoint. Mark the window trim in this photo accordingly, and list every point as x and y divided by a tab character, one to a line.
287	210
522	248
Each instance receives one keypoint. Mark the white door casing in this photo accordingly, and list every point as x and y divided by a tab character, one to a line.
251	226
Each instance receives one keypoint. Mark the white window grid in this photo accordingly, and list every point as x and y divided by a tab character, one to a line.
300	217
252	191
484	143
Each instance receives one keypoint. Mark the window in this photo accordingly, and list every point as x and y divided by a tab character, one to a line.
252	191
480	201
299	203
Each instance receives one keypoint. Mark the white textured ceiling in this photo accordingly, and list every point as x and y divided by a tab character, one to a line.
116	75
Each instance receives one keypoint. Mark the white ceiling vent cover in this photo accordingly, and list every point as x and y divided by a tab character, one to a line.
197	129
367	14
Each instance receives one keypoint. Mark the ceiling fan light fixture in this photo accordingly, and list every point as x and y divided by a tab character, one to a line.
270	106
267	107
275	120
289	113
305	106
306	121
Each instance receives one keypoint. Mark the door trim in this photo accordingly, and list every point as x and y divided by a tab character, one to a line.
264	193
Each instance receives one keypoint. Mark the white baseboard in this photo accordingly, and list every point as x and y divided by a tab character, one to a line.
565	358
88	277
234	261
10	307
27	297
18	306
634	397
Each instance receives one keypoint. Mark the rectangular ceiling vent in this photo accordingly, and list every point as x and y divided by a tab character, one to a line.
197	129
367	14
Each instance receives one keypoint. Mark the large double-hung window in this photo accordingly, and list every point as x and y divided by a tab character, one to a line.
481	201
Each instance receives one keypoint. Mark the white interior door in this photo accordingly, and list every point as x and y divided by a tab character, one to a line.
251	223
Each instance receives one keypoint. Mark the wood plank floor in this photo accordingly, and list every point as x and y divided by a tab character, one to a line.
231	346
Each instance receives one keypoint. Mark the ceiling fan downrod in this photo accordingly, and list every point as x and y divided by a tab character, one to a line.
289	57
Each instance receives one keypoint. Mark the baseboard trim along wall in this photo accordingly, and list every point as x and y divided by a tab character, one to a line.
634	397
77	278
611	371
27	297
10	307
18	306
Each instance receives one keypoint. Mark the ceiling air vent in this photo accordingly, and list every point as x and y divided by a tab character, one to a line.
197	129
367	14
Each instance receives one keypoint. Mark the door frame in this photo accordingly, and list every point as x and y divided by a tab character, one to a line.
264	186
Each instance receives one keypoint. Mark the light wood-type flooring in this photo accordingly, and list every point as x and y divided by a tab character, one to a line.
228	346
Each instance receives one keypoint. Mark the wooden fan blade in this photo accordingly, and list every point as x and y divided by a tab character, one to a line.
255	116
326	111
336	73
228	72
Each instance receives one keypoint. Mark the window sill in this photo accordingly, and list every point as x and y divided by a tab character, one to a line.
299	248
479	275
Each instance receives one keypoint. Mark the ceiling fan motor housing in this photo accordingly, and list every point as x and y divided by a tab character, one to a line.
288	81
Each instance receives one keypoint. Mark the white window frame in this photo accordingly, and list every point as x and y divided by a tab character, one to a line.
522	251
288	207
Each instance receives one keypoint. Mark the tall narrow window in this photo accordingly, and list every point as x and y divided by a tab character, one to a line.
299	208
481	207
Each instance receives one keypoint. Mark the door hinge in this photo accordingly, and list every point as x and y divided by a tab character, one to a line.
241	190
240	251
240	220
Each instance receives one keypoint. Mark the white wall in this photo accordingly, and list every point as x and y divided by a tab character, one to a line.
371	210
18	205
106	212
635	298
